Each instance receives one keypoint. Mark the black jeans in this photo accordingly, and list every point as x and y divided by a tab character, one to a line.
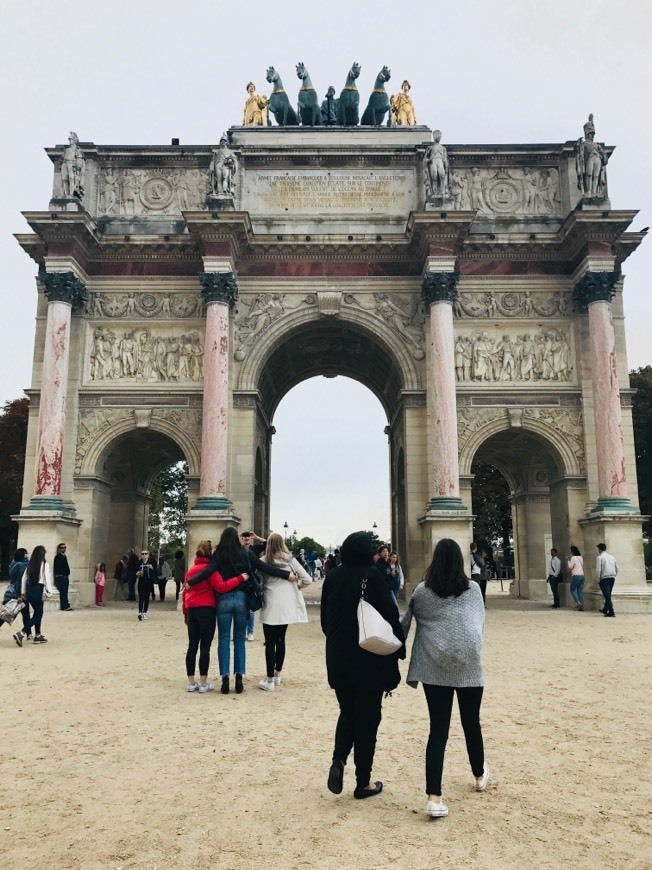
161	588
131	585
144	591
606	587
35	598
62	583
274	647
178	584
357	727
440	707
201	631
554	586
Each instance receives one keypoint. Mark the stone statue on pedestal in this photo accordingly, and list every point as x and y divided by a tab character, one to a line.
72	169
221	173
255	108
436	172
591	161
403	114
330	108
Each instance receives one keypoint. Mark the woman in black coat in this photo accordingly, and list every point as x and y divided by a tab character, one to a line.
358	677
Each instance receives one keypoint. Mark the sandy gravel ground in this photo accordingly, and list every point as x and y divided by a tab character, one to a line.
116	765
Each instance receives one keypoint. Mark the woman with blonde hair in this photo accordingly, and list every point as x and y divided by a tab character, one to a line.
283	605
199	606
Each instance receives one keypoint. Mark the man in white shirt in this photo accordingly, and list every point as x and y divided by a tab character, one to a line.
555	577
606	570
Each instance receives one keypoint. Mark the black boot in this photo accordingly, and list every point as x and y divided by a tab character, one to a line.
225	686
239	688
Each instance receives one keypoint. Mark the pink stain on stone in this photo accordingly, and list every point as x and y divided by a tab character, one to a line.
445	445
216	402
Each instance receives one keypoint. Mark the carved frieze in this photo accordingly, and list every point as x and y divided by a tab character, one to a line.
185	420
513	303
526	191
563	421
134	305
257	313
470	420
157	191
405	316
489	356
92	422
146	355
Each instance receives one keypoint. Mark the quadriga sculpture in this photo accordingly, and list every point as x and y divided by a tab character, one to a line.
309	111
279	104
348	114
378	105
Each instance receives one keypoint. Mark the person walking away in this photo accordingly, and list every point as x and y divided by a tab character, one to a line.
120	577
163	576
359	678
16	570
100	582
231	559
251	541
576	568
555	577
606	571
476	566
284	605
62	576
179	571
447	659
132	572
198	604
146	574
318	567
396	579
36	585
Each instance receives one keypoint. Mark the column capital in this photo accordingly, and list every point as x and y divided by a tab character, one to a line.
439	287
64	287
219	287
595	287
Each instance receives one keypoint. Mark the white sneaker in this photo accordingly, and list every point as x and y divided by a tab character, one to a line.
436	810
145	616
208	687
250	636
481	784
277	679
266	685
192	687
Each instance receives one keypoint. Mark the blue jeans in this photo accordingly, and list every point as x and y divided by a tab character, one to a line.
250	622
606	585
35	598
577	588
231	608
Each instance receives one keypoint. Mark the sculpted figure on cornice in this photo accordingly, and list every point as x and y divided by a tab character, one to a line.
513	303
127	192
591	164
73	167
406	318
541	356
528	191
222	170
158	305
146	356
435	168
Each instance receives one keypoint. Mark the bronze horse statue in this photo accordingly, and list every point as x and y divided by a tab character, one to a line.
348	114
279	104
378	105
308	111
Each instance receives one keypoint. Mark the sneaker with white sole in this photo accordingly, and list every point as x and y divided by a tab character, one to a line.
207	687
266	685
436	810
481	784
192	687
277	679
145	616
250	636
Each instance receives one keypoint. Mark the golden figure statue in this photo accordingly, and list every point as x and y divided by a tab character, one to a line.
255	109
403	108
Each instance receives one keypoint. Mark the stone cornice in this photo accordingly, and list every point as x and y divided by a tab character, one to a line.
63	287
219	287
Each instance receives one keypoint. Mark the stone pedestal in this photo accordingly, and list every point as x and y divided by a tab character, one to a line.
207	525
439	202
436	525
66	203
217	202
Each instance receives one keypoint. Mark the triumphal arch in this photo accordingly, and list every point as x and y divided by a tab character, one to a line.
476	290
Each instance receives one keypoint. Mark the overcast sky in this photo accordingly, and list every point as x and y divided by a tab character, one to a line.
144	71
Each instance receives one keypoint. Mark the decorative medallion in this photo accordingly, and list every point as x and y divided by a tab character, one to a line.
157	193
504	196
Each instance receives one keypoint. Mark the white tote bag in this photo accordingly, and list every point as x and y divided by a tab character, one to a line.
375	634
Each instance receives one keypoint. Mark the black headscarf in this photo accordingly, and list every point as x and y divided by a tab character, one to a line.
357	549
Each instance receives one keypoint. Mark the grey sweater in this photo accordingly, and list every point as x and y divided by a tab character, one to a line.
447	648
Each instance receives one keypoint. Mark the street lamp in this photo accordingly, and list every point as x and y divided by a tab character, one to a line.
374	526
285	534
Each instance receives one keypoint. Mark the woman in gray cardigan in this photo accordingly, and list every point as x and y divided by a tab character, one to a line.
447	659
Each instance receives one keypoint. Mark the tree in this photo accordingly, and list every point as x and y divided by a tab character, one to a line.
168	506
492	509
309	545
13	440
641	381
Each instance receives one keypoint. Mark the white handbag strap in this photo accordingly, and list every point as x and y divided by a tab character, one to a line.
364	586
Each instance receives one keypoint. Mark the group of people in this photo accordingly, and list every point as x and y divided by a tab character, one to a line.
142	575
606	570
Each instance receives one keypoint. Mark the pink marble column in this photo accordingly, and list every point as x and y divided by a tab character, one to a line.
439	292
596	290
220	292
64	291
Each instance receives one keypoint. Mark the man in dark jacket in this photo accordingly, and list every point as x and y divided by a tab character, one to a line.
62	576
358	677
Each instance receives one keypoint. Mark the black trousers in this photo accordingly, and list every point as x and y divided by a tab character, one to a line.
357	727
274	647
201	631
144	591
440	707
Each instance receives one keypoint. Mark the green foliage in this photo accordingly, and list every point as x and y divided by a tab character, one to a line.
641	381
13	439
307	544
491	506
168	506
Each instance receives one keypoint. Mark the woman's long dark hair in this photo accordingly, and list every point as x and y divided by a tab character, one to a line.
229	545
575	551
445	574
34	565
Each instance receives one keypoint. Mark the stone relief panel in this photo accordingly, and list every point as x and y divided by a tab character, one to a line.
514	303
405	316
128	192
526	191
146	355
92	422
257	313
492	356
159	305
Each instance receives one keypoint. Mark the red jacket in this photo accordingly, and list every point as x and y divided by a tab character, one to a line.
203	594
